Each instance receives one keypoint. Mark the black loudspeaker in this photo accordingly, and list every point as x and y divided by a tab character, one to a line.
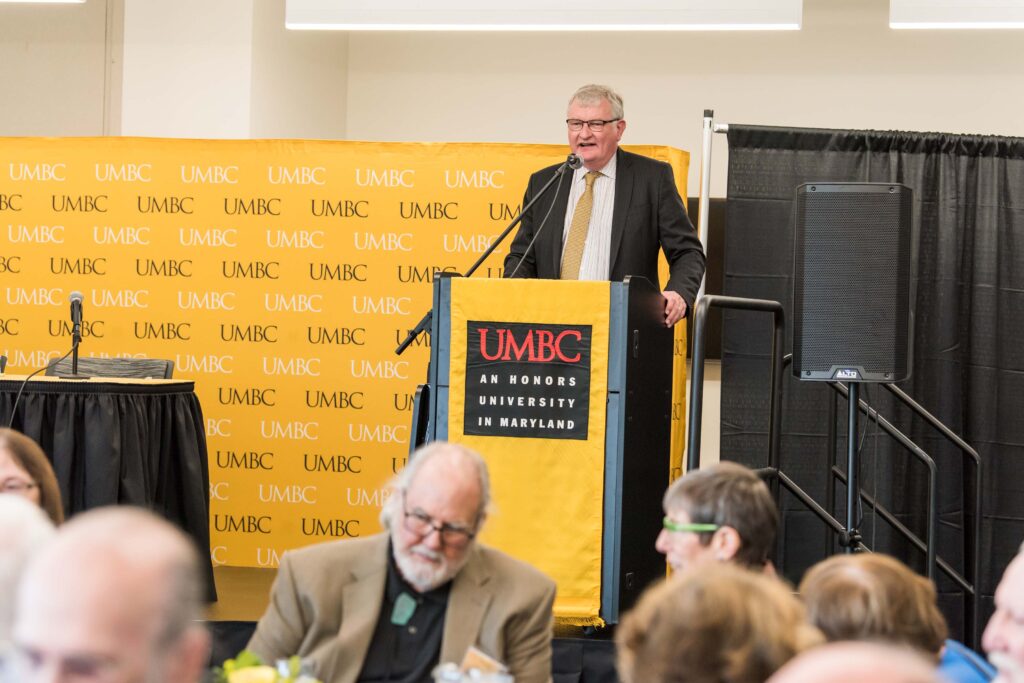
853	282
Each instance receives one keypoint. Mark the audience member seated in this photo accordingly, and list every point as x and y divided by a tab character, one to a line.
713	624
394	605
26	471
1004	635
852	662
25	529
721	513
115	597
875	597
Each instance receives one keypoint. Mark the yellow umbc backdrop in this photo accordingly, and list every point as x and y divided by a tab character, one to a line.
280	275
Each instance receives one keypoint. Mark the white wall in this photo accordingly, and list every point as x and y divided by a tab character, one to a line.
844	69
711	413
52	69
187	68
299	79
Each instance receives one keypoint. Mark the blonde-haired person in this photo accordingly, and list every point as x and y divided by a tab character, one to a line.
26	471
713	624
875	597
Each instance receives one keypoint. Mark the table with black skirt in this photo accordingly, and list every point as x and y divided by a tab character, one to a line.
121	442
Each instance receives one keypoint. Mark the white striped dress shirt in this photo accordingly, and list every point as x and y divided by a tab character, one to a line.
596	262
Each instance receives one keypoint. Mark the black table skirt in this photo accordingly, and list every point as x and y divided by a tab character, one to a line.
114	443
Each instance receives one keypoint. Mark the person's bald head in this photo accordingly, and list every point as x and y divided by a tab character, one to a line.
24	530
1004	635
874	597
461	470
118	592
858	662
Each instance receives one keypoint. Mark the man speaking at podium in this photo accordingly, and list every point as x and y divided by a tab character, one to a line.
609	220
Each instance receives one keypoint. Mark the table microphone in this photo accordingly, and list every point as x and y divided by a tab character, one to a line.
76	299
76	328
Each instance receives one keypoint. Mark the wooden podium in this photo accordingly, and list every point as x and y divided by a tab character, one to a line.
565	388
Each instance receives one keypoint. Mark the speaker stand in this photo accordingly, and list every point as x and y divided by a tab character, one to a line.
850	537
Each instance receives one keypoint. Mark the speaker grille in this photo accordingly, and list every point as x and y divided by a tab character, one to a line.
852	281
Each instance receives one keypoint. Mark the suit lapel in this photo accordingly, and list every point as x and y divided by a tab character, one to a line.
360	608
623	195
556	224
467	605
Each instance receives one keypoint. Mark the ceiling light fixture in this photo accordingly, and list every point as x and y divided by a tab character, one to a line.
956	14
541	15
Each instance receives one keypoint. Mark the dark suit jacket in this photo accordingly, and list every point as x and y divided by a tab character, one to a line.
326	600
648	214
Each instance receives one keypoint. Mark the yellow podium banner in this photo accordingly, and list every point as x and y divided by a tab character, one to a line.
279	275
543	488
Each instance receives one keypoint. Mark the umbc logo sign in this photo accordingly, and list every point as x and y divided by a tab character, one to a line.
527	380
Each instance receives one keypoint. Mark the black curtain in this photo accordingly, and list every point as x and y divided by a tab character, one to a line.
968	367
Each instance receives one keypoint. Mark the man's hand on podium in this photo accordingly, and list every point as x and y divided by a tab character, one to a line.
675	307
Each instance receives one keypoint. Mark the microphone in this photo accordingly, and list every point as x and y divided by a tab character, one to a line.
76	328
76	299
571	162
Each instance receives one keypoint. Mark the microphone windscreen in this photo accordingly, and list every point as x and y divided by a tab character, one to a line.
76	296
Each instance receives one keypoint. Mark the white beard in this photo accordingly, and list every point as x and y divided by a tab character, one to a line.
422	568
425	569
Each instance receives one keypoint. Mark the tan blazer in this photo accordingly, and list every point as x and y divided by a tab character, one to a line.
326	600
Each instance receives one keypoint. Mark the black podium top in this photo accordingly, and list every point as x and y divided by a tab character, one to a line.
122	442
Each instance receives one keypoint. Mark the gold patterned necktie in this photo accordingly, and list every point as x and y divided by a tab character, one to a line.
572	255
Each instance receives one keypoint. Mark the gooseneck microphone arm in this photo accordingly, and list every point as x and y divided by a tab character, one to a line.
572	162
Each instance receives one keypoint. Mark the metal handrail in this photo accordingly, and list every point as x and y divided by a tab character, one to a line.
696	406
974	561
774	473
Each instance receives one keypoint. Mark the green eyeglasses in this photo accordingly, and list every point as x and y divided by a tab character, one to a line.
695	528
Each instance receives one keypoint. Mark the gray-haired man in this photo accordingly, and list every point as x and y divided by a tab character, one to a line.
392	606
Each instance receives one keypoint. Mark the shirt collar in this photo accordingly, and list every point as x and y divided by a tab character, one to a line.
608	170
